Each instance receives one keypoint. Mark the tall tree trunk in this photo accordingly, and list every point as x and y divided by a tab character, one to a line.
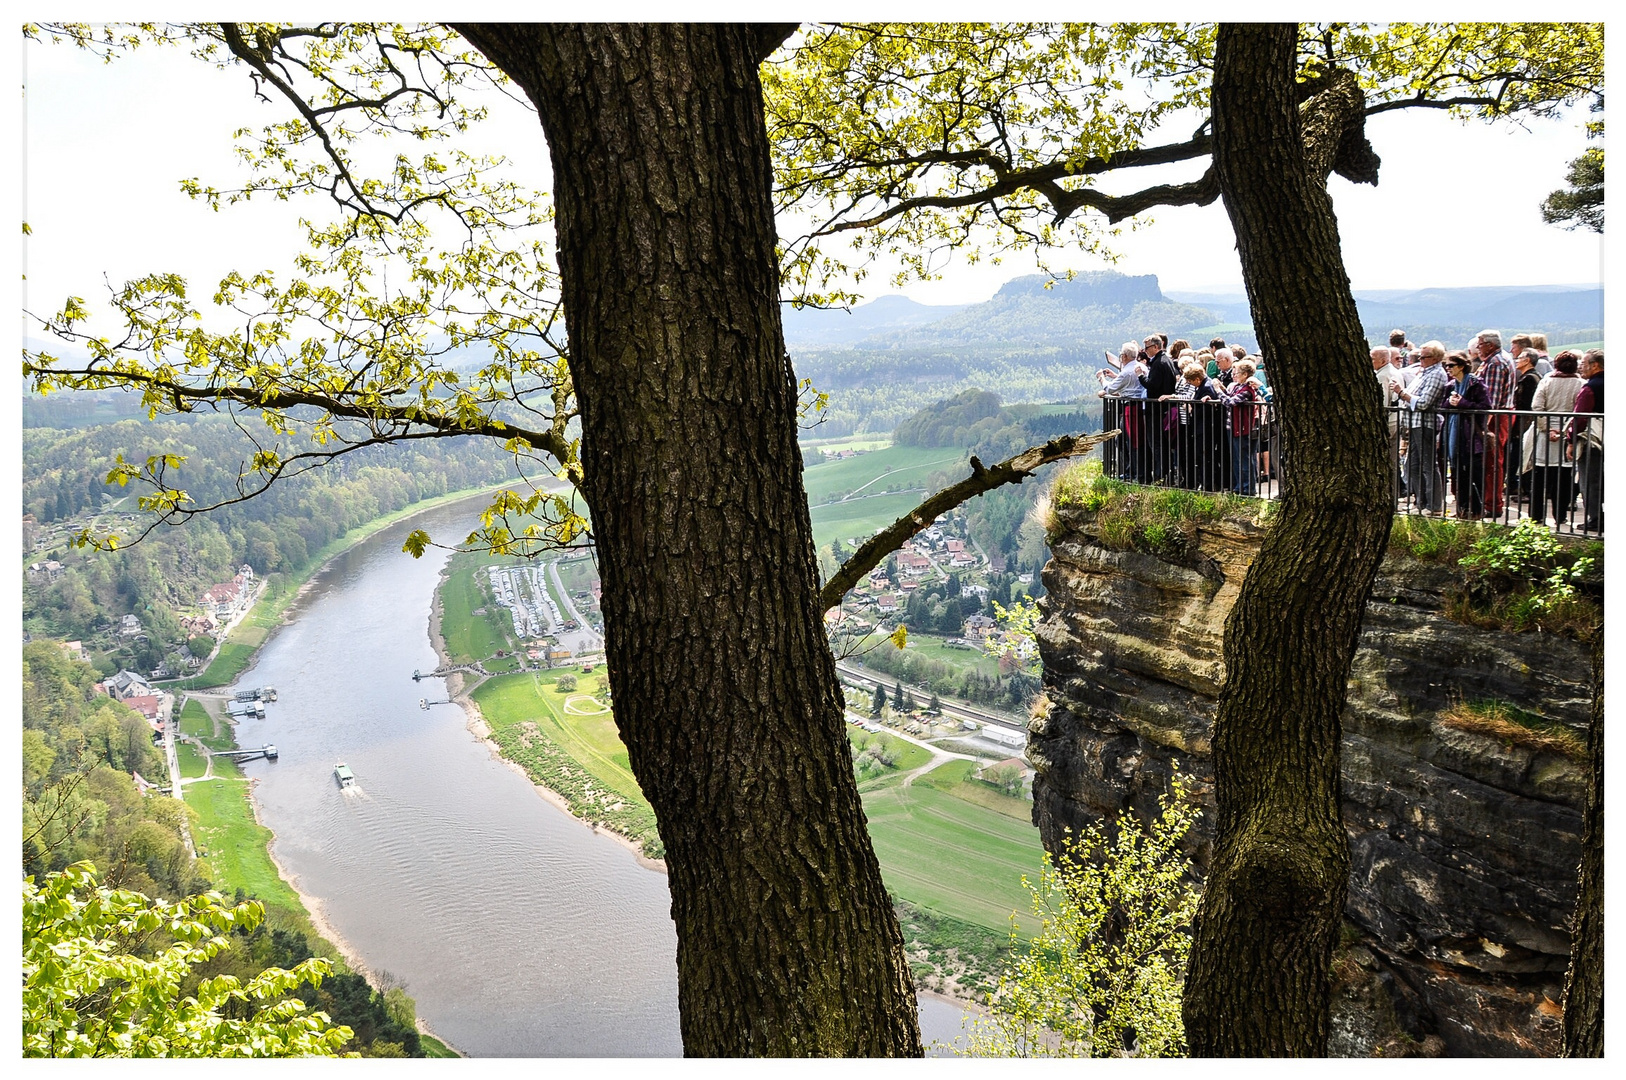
725	689
1583	989
1258	977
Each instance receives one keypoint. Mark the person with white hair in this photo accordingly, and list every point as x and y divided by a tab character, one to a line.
1126	402
1496	374
1421	398
1389	386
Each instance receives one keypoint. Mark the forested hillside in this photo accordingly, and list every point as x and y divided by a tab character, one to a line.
80	803
277	533
1031	342
79	800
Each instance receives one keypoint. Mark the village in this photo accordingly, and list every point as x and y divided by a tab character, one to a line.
941	555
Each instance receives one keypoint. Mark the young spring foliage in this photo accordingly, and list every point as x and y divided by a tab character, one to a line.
1103	977
976	138
97	982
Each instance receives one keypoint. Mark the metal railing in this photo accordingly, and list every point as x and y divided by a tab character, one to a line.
1205	446
1497	465
1500	465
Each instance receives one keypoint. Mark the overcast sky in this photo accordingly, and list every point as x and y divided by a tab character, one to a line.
106	145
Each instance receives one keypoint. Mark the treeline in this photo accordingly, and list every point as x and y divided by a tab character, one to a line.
1012	691
873	390
81	803
277	533
975	421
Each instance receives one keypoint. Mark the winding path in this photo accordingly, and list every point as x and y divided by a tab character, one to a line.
939	755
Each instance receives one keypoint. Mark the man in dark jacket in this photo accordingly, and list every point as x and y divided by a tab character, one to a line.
1584	439
1161	379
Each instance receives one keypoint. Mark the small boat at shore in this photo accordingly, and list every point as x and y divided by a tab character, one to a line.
342	773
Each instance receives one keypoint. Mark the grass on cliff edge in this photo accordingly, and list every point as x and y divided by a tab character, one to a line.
1156	520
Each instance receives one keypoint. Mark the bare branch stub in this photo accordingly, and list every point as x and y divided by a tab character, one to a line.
1013	470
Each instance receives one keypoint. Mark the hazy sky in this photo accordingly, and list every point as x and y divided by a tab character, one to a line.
106	145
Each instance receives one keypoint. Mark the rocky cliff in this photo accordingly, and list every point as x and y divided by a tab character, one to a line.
1463	775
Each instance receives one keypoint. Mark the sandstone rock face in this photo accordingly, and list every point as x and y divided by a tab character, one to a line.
1464	847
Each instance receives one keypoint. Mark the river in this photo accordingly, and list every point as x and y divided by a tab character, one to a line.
518	930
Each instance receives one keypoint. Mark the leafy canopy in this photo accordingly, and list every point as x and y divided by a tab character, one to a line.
983	138
96	983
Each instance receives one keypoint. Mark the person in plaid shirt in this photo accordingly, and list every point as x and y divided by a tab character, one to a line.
1496	373
1422	396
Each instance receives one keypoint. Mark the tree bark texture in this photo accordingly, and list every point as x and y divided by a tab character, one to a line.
725	690
1258	976
1583	988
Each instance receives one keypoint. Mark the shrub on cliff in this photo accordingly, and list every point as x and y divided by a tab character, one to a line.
1103	977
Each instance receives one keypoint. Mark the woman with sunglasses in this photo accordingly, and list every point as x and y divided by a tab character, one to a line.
1465	402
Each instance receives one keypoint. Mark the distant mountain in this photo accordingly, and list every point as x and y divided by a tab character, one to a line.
1028	343
1455	314
834	327
1082	316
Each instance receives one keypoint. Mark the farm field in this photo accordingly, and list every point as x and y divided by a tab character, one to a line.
907	465
960	858
860	517
850	442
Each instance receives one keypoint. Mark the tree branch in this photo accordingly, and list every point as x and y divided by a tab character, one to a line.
181	397
1013	470
1043	179
769	36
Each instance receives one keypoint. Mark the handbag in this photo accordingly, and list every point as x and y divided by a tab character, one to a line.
1528	450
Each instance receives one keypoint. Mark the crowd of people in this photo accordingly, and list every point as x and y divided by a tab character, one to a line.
1197	418
1505	433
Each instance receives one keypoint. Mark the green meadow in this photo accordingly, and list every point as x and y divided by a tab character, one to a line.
236	845
567	741
860	517
470	637
875	470
940	851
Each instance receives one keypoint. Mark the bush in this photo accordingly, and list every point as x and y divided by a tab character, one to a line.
1522	578
96	982
1103	978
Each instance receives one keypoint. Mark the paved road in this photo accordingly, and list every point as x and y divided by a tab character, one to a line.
939	755
172	724
585	639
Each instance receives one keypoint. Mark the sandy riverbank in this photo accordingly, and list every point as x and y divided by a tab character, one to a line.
457	689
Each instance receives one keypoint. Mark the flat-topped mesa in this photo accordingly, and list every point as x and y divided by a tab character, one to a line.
1464	821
